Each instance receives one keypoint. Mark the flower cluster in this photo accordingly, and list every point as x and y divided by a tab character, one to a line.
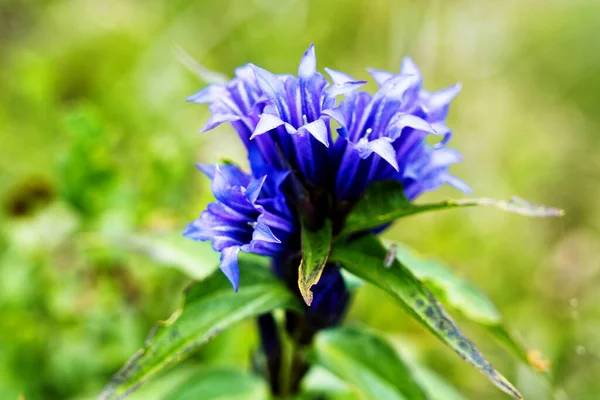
300	167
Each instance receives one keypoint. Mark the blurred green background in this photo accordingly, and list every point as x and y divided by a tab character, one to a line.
97	177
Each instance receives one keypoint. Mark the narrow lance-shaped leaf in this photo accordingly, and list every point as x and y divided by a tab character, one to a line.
466	298
367	258
384	202
209	307
367	362
315	250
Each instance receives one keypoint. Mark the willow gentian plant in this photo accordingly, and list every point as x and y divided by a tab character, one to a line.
330	168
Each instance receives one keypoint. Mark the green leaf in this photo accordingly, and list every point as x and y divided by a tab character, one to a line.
366	362
449	288
384	202
221	384
367	258
466	298
315	250
320	381
209	307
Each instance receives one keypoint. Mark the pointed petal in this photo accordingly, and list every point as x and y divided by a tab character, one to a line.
345	88
401	121
443	97
274	88
229	265
382	147
275	221
266	123
444	157
458	184
253	189
337	115
245	73
191	232
380	76
318	130
385	149
440	129
206	95
279	177
409	67
397	86
230	173
217	119
226	213
219	186
263	233
308	63
207	169
339	78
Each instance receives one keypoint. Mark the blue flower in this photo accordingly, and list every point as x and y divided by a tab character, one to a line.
300	168
283	115
383	136
294	125
250	215
239	102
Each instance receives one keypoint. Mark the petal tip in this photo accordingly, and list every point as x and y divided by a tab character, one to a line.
308	63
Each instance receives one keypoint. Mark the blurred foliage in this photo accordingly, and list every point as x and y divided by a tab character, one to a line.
97	144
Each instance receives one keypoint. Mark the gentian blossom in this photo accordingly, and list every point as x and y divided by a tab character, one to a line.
300	168
250	215
393	124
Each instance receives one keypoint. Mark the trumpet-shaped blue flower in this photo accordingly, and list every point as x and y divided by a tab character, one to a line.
284	121
295	119
250	215
283	115
384	136
239	102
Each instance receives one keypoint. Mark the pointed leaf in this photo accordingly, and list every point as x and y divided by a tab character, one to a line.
463	296
209	307
221	384
384	202
367	362
448	287
315	250
368	259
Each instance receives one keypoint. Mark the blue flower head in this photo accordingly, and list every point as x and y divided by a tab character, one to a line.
238	102
383	136
294	124
298	167
250	215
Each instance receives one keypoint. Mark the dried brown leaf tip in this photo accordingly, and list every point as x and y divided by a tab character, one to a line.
537	361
